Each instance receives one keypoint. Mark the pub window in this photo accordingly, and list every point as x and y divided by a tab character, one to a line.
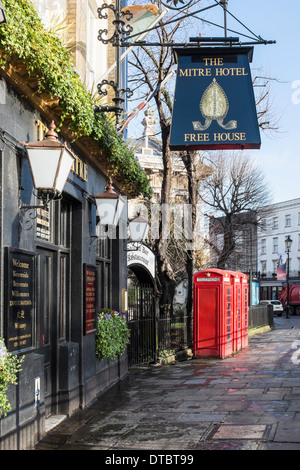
46	299
104	279
64	231
64	296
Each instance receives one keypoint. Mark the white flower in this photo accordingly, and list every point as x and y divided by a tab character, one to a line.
3	352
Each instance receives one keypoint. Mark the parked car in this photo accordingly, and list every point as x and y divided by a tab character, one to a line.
277	306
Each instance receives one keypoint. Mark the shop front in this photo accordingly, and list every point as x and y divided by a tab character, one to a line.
55	274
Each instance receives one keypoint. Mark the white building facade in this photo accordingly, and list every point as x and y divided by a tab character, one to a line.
283	221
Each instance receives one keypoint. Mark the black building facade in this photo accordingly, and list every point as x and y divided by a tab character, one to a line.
52	269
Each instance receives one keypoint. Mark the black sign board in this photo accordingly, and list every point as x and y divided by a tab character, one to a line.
20	299
89	299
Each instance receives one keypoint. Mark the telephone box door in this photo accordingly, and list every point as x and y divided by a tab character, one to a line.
206	321
245	310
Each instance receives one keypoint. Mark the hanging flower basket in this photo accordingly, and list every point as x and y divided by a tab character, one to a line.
10	365
112	334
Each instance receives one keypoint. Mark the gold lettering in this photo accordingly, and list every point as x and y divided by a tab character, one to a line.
195	73
18	264
17	274
20	325
16	293
232	71
80	169
85	170
196	137
42	129
229	136
20	284
213	61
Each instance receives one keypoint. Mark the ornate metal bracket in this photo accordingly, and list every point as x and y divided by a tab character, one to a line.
118	99
27	213
118	22
116	41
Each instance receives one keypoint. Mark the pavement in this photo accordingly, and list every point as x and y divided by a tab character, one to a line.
249	401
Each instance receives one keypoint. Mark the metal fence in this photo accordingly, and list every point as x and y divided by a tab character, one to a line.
151	335
260	315
141	322
172	333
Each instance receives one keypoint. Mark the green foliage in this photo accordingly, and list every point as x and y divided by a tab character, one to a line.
24	38
10	365
112	334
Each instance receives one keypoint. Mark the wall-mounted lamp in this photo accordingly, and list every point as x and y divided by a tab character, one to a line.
109	206
50	163
2	14
138	229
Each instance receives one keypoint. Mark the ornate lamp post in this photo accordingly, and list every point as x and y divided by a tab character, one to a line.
288	244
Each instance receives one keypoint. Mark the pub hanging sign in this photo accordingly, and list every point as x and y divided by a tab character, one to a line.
214	106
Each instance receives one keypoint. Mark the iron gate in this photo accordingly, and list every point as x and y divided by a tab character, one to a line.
141	321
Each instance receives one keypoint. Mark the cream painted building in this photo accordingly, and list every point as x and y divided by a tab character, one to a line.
77	22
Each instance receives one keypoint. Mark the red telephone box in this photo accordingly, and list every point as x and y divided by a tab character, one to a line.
237	310
245	310
213	313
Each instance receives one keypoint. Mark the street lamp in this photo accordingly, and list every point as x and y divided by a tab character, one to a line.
2	14
50	163
109	206
138	229
288	244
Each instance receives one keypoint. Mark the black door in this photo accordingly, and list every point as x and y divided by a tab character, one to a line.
47	326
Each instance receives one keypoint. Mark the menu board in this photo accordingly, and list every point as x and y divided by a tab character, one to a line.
43	224
20	299
89	299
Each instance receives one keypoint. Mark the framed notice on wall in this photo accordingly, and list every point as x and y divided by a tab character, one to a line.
19	299
89	298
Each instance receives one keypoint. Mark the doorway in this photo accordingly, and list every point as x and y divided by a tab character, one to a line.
47	326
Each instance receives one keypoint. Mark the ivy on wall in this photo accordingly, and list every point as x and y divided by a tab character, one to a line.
47	60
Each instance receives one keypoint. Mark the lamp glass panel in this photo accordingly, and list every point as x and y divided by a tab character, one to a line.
2	17
43	163
106	210
66	163
119	209
138	230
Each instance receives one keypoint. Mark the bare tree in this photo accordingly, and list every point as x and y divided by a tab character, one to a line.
236	195
151	66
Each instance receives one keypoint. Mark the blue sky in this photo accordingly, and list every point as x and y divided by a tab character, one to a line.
279	155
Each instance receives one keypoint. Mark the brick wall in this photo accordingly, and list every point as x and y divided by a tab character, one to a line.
76	19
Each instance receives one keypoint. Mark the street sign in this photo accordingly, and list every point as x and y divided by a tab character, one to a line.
214	106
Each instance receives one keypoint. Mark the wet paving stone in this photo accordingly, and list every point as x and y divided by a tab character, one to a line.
250	401
247	431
